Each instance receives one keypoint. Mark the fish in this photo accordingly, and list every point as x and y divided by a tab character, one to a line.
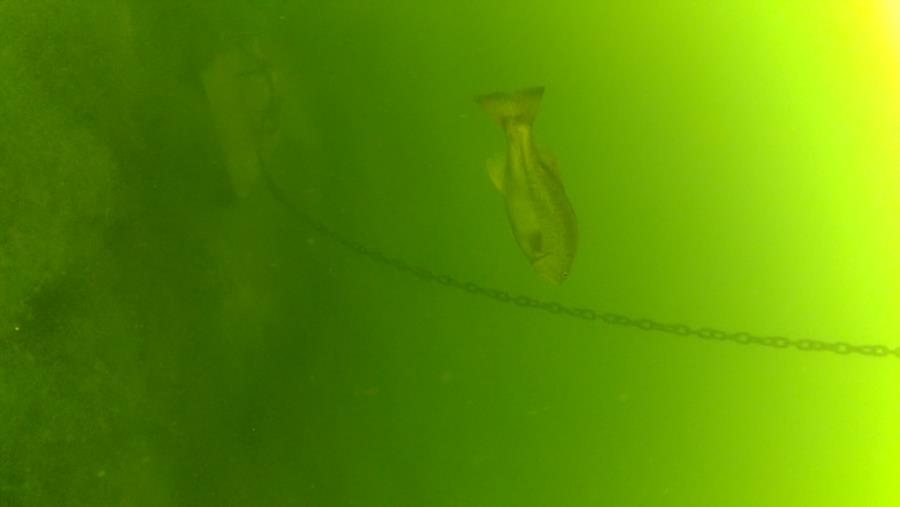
540	214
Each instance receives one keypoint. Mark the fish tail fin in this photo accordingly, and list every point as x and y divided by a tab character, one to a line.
515	108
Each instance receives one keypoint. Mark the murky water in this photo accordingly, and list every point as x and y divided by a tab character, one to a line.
251	255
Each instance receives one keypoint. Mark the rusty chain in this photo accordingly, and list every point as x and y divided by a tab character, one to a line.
588	314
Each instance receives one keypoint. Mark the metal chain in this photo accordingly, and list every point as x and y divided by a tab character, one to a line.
609	318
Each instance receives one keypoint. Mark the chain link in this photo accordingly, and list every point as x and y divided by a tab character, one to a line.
608	318
611	319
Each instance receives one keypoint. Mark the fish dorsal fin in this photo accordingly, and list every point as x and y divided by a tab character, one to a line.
496	168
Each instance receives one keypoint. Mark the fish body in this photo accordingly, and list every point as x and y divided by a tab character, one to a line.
542	219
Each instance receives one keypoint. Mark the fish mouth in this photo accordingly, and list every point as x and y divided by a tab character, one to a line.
541	268
550	278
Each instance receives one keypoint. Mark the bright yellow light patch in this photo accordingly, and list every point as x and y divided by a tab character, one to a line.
892	10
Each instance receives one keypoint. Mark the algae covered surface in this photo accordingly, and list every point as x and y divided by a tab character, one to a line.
250	255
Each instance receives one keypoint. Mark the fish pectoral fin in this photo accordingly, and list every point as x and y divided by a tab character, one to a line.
496	168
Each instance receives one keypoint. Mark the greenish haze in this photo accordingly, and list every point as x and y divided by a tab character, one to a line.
174	334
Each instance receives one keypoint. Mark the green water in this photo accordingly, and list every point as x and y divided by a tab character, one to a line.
174	331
